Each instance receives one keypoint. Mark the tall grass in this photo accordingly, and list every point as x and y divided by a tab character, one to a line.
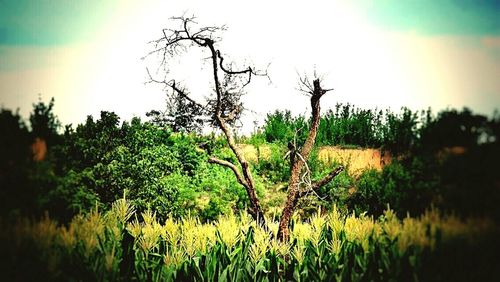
121	244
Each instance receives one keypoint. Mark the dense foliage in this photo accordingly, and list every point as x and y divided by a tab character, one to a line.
446	160
100	160
425	169
96	162
399	133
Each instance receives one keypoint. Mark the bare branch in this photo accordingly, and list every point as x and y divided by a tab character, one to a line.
308	88
248	71
322	182
305	85
171	43
172	84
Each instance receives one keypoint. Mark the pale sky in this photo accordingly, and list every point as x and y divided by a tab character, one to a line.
385	54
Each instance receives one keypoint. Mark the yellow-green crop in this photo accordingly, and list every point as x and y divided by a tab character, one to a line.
328	246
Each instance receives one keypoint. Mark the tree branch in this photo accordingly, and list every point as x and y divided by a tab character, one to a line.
248	70
172	84
325	180
237	173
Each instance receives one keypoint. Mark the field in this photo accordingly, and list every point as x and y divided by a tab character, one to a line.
121	244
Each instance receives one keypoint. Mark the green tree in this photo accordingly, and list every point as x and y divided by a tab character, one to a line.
453	128
281	127
400	131
101	159
44	123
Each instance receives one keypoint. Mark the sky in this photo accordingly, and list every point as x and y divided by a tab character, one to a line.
375	54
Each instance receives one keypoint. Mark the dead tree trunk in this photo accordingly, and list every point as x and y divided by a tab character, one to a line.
228	87
225	108
296	187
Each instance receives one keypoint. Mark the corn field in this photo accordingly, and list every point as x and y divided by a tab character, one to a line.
121	244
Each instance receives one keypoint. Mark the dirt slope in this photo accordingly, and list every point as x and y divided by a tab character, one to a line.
356	160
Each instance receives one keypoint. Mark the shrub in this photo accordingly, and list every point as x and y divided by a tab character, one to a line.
154	165
274	167
405	186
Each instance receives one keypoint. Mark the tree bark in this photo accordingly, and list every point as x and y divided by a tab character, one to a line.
246	179
294	189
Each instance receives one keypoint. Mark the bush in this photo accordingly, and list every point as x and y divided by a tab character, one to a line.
455	128
274	168
406	186
154	165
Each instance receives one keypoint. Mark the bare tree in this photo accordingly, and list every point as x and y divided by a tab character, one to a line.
225	107
300	183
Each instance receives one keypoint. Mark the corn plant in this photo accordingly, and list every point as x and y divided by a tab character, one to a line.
123	245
